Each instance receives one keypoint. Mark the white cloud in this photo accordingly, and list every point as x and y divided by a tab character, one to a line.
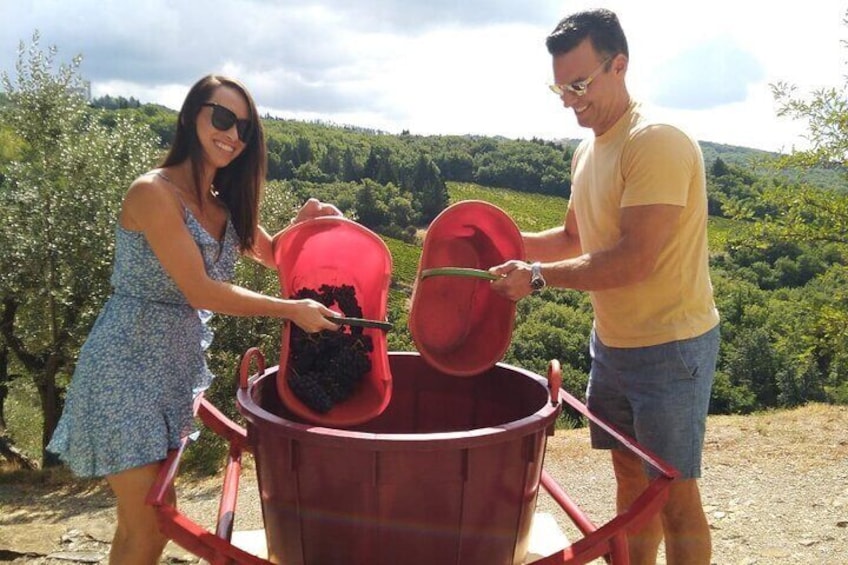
443	66
722	76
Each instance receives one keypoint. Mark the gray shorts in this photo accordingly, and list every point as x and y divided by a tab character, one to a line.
657	395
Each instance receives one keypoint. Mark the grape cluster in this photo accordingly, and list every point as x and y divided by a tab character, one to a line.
327	367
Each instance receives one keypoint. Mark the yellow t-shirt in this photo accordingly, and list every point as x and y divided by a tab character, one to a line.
639	162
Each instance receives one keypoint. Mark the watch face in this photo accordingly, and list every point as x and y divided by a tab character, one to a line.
537	281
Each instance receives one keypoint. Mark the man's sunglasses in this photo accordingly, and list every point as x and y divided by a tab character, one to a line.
580	87
223	119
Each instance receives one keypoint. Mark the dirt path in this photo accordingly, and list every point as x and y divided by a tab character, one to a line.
775	488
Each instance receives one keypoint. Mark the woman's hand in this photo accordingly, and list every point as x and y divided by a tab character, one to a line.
314	208
310	316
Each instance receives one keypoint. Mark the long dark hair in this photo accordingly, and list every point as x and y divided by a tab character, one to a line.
240	183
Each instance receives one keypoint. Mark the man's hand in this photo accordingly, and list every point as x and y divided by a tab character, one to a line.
515	279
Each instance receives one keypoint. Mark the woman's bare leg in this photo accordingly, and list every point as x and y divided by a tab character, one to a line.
137	538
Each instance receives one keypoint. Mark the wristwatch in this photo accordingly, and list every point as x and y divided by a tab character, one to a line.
537	281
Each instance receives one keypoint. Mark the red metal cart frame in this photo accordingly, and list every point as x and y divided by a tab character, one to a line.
607	540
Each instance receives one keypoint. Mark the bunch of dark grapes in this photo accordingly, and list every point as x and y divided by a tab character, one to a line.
327	367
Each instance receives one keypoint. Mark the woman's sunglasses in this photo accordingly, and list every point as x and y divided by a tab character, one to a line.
223	119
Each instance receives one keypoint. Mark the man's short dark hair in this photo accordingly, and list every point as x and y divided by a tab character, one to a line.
600	26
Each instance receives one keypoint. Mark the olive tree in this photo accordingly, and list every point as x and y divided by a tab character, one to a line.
808	213
819	216
58	205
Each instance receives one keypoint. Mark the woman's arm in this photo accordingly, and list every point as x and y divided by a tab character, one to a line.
263	251
154	210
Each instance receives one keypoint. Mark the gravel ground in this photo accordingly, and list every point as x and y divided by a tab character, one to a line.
775	488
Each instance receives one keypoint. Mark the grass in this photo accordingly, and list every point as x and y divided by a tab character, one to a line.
23	416
531	212
404	259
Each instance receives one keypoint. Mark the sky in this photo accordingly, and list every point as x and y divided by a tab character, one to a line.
445	67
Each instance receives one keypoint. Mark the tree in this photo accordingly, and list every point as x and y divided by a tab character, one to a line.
332	162
719	168
429	189
819	217
811	214
351	169
456	165
380	167
58	206
372	208
304	151
783	340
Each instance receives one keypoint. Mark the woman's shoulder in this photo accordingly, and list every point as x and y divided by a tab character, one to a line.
149	194
150	187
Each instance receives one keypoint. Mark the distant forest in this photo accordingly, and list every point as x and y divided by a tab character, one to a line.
407	172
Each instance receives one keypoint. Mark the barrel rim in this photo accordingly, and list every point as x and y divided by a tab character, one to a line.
314	433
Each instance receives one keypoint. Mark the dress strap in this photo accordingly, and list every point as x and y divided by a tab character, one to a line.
175	187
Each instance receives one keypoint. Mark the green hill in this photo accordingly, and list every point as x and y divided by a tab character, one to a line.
531	212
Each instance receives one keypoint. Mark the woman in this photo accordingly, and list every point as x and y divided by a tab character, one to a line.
180	230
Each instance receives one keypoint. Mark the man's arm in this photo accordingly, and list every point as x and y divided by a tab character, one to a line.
645	231
554	244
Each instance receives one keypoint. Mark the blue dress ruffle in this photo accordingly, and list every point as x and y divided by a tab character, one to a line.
130	399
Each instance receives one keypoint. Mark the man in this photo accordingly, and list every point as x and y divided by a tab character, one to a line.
634	236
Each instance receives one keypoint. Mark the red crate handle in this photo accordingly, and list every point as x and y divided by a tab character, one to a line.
609	539
215	548
554	380
244	368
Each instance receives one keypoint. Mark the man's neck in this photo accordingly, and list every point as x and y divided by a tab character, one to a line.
621	107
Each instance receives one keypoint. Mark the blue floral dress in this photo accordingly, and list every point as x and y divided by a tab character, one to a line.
130	399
